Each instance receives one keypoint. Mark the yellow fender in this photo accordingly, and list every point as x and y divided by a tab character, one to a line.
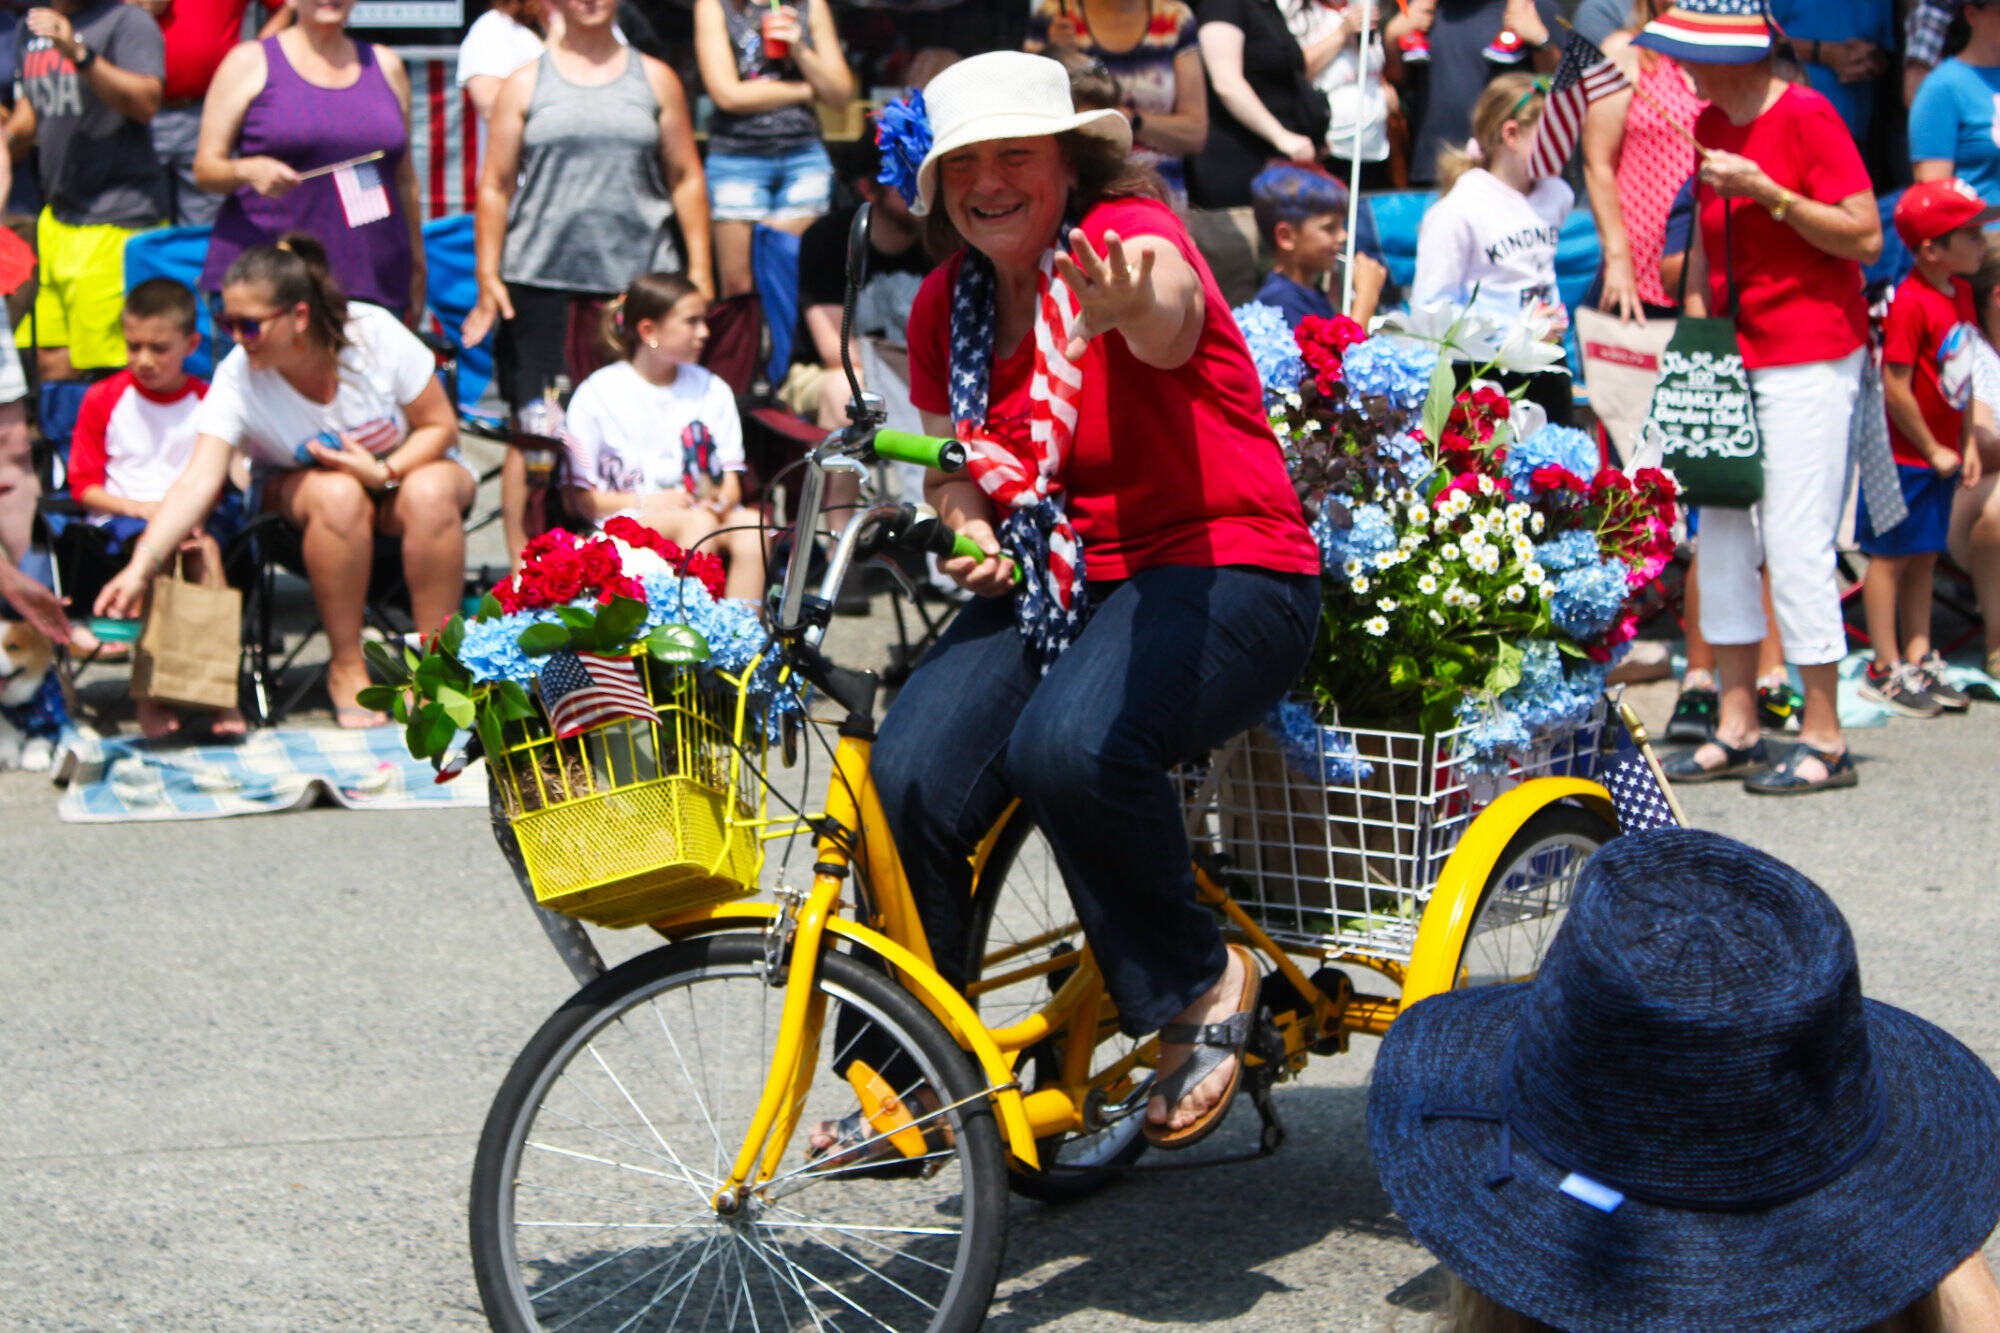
936	993
1441	933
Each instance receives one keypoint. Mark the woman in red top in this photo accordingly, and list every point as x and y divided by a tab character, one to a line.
1787	220
1112	406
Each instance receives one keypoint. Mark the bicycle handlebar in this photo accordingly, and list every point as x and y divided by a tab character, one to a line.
902	446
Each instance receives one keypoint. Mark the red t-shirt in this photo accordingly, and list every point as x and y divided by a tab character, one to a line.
199	34
1795	303
129	440
1920	321
1168	467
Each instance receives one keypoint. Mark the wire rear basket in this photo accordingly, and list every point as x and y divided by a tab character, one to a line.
1339	855
635	820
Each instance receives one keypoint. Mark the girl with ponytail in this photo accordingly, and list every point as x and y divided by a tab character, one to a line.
1490	240
337	407
655	437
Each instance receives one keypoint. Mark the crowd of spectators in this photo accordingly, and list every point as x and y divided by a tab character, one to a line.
598	163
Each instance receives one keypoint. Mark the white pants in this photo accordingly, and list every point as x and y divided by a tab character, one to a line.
1803	414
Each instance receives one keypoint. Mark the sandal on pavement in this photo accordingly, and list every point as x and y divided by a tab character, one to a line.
1212	1044
1685	768
1785	779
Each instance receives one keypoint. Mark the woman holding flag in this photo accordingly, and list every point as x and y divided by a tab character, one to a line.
310	131
1168	588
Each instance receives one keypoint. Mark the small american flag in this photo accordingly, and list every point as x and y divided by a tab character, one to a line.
1585	75
362	198
585	690
1642	803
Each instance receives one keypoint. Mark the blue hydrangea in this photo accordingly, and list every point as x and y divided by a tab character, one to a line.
1272	347
1588	599
903	133
1555	695
1315	752
491	650
1411	459
1570	550
1551	446
1399	372
1371	532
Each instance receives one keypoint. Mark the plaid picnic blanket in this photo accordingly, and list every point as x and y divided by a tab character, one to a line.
125	779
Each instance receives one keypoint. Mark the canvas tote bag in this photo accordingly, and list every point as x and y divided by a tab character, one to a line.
1621	366
192	643
1703	418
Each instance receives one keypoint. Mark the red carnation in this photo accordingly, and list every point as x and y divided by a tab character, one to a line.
600	563
707	567
622	585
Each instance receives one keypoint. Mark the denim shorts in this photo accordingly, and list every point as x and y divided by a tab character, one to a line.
750	187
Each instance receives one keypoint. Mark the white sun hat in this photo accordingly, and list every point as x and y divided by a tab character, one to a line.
1004	95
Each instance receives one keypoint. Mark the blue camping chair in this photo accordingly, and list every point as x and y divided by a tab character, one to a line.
451	293
177	253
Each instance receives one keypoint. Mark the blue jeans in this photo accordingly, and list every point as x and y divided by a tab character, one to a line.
1175	661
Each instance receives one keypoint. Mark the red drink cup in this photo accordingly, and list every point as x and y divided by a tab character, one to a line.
775	48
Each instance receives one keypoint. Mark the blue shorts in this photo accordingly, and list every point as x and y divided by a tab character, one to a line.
750	187
1924	531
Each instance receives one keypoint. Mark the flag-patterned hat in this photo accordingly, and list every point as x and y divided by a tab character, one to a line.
1711	32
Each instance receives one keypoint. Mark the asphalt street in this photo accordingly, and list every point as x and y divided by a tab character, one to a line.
245	1063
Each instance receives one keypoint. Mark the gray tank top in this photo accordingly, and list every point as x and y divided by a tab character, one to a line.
591	208
767	133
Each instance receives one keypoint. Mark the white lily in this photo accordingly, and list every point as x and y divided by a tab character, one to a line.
1466	334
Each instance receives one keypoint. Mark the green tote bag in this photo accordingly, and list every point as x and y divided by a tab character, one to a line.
1703	419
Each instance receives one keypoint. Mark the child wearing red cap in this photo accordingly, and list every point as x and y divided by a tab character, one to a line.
1927	385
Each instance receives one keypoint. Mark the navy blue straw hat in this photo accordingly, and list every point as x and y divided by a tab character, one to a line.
1691	1120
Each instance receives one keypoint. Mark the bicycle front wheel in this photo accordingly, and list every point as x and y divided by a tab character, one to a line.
1527	896
592	1192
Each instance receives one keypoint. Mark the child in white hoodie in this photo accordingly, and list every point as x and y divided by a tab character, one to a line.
1490	240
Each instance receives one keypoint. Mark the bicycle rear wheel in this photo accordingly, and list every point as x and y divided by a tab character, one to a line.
1025	927
1527	895
592	1189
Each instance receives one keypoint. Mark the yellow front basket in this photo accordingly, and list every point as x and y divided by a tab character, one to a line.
632	821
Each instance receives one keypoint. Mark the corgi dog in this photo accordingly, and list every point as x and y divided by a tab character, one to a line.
29	721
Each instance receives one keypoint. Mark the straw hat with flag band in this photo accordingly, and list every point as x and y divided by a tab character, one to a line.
1691	1119
1711	32
1004	95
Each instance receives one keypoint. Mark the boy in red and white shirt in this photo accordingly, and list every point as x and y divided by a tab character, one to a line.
134	435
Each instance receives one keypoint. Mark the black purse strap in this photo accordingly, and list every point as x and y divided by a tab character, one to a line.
1728	259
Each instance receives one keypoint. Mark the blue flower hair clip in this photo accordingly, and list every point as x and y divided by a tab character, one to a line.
903	133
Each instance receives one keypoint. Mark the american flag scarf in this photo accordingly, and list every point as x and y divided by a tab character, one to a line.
1052	602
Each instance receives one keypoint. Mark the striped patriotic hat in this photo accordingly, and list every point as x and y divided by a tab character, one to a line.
1711	32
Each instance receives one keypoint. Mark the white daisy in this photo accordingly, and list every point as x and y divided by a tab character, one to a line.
1352	566
1387	604
1426	584
1516	593
1537	523
1361	584
1437	618
1376	625
1449	550
1534	573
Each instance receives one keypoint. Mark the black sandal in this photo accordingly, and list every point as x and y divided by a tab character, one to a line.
1685	768
1784	780
1212	1044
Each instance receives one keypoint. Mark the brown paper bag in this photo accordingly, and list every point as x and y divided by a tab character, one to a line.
191	647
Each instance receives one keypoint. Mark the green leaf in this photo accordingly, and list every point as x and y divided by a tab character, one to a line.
1437	402
576	617
678	645
1506	673
457	706
453	635
429	732
1403	671
542	638
515	705
1568	649
377	697
399	707
388	664
616	622
489	732
490	608
410	657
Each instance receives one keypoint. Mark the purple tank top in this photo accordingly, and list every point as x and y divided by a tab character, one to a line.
307	126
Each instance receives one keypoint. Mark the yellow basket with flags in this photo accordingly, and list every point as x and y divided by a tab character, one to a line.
629	792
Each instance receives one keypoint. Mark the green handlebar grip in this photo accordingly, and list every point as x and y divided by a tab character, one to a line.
965	546
904	446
